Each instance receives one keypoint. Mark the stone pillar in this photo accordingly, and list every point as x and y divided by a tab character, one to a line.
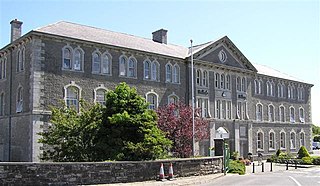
236	137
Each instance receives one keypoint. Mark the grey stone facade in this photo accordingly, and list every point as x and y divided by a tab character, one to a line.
44	81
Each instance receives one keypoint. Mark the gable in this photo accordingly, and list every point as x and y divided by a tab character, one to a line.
224	52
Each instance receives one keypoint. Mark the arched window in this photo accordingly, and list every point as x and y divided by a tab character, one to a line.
67	56
280	91
301	115
292	140
228	82
96	62
282	114
155	71
100	96
302	139
271	140
152	99
122	66
176	73
132	67
243	84
271	113
282	140
238	84
222	81
168	72
21	59
78	59
173	99
272	89
205	78
268	88
2	104
259	112
292	117
217	80
260	141
106	63
72	96
19	106
289	92
260	86
198	78
146	69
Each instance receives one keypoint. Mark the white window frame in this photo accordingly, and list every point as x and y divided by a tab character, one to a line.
176	73
302	141
293	140
301	115
260	141
282	113
292	114
106	64
155	69
132	70
272	140
259	115
81	60
96	90
222	81
243	84
169	73
173	97
72	84
147	69
154	104
123	62
271	117
282	140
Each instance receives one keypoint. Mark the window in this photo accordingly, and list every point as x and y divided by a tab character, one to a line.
244	110
100	96
218	109
260	141
268	88
282	140
302	140
223	109
259	112
132	67
270	113
272	88
301	115
281	88
67	58
222	85
21	59
203	104
243	84
96	62
198	80
173	99
238	84
122	66
168	72
300	93
152	99
72	96
217	80
289	92
271	141
229	110
228	82
205	78
19	106
292	140
2	104
78	59
292	118
282	114
176	74
146	69
3	68
106	64
256	86
155	68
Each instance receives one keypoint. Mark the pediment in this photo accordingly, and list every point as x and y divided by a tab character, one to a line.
223	52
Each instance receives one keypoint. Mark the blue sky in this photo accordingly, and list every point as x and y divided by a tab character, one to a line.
283	35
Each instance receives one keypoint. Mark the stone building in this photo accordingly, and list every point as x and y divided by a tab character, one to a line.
261	109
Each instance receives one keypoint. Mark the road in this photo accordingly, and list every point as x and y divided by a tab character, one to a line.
298	177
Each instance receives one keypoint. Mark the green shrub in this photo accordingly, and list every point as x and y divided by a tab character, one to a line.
307	160
303	152
278	152
285	155
235	155
237	167
316	160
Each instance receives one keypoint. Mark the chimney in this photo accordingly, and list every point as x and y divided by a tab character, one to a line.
15	29
160	36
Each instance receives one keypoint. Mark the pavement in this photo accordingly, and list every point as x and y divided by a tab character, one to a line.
198	180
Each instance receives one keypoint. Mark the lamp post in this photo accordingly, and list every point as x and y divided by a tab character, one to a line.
192	95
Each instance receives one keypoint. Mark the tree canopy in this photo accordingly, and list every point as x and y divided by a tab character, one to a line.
123	129
176	121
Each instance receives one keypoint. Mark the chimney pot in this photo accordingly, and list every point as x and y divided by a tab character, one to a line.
160	36
15	29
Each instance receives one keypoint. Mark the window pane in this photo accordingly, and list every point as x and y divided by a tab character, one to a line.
168	73
72	98
77	60
105	65
100	96
96	63
122	66
154	70
67	59
146	69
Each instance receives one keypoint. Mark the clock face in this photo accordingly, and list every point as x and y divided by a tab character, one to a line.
222	56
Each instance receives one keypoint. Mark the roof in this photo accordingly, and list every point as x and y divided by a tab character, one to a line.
77	31
264	70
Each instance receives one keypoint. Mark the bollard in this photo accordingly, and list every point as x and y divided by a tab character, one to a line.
295	167
262	167
271	167
287	167
252	167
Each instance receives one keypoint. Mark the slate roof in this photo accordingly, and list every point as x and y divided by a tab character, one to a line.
98	35
77	31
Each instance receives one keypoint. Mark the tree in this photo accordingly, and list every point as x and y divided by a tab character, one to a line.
316	133
123	129
176	121
303	152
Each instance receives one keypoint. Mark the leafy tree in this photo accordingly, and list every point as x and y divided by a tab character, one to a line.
303	152
316	133
176	121
125	129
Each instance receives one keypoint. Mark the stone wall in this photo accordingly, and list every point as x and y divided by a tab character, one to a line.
102	172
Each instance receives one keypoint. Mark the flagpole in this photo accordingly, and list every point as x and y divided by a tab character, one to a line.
192	95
